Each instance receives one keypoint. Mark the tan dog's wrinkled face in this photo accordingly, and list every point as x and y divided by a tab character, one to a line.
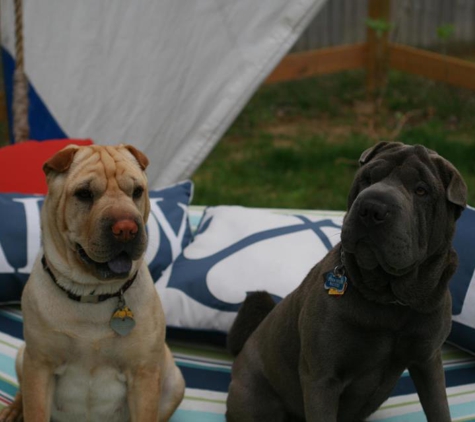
100	198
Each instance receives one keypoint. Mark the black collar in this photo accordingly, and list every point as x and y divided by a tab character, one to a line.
88	298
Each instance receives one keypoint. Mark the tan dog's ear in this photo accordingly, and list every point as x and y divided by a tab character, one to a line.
61	161
139	156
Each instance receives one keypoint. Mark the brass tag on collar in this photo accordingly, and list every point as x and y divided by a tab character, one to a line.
122	320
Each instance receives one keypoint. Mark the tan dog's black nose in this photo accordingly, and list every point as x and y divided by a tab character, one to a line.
125	230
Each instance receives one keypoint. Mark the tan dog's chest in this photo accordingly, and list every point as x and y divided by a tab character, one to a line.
89	359
89	393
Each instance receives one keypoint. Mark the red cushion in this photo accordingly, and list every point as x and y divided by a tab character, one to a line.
21	165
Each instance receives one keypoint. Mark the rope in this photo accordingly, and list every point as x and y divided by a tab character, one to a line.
21	128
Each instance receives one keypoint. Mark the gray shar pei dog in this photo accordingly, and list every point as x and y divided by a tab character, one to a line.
378	303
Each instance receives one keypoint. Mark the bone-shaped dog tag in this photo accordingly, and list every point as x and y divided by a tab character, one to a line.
122	320
335	282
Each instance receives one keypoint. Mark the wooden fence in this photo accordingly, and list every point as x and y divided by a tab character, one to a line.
376	55
342	22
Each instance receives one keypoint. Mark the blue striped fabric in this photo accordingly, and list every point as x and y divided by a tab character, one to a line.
207	371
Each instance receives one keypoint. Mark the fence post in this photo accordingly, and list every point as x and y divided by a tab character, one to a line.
377	42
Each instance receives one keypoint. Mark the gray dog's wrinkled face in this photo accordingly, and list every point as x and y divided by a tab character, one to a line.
398	199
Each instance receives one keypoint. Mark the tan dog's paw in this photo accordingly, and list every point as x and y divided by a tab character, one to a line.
14	412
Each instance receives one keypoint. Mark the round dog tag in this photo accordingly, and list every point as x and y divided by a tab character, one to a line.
122	321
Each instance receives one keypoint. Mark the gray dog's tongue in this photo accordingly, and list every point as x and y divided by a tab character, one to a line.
120	264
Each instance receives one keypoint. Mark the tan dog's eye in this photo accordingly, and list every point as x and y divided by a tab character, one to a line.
138	191
84	194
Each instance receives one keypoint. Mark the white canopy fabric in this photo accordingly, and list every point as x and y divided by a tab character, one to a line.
167	76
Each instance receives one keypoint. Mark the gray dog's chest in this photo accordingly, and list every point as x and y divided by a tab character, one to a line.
370	365
379	339
365	349
379	356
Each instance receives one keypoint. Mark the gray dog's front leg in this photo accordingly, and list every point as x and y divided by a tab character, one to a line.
321	396
429	379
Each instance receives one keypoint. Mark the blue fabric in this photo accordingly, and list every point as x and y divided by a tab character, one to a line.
42	123
198	269
191	274
463	326
217	378
462	336
17	213
464	243
453	377
11	325
173	202
205	379
20	234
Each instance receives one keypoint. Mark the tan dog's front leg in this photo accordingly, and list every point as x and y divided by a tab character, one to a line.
144	393
37	388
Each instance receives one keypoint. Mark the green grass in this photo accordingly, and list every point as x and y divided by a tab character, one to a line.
297	144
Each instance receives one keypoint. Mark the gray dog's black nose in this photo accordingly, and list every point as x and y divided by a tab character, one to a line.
373	212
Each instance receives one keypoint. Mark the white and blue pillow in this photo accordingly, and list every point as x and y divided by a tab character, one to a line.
238	250
168	226
168	230
462	285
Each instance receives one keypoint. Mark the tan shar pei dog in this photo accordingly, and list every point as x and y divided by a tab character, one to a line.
93	323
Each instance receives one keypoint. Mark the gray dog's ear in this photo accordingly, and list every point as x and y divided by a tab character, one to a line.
370	153
139	156
61	161
457	190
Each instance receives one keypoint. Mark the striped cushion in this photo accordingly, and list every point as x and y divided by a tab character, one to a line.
207	371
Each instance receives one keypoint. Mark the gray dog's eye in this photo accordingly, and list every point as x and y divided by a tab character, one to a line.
420	191
84	194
